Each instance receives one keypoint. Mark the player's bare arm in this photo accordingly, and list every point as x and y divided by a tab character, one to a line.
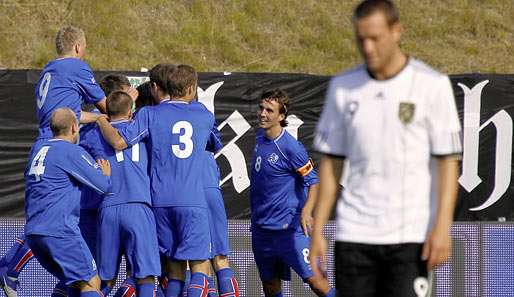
111	134
102	105
306	216
330	171
87	117
437	246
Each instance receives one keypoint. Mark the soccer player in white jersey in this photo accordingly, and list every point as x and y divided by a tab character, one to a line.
387	118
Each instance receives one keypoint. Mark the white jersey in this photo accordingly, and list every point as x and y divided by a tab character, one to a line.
387	130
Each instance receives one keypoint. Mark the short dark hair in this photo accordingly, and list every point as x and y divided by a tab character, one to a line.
118	103
144	96
183	77
61	121
113	82
159	75
281	97
369	7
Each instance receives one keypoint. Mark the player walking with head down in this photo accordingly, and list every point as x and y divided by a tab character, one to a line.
387	118
282	192
177	133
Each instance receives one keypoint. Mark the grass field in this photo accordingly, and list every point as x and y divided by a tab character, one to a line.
307	36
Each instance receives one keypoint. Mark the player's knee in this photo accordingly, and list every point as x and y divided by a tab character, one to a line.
202	266
146	280
92	285
177	270
272	287
319	285
219	262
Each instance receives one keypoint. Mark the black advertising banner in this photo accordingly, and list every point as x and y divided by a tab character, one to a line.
485	104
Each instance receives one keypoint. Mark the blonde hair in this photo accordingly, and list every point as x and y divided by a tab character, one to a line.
67	37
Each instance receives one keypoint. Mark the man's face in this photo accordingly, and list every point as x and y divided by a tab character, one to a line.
377	40
269	114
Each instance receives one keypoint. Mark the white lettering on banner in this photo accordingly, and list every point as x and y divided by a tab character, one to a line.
207	96
502	122
293	125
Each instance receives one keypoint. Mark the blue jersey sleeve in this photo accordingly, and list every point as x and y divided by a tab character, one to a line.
302	165
90	140
214	143
137	130
91	91
85	170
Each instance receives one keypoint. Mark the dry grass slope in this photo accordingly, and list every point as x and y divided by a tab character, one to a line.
310	36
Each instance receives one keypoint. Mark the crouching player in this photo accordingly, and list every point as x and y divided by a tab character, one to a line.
56	169
126	221
282	192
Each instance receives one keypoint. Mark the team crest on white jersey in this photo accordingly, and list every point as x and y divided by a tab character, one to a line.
406	112
273	158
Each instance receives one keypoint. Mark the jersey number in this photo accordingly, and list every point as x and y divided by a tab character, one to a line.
43	89
37	168
185	132
258	161
135	154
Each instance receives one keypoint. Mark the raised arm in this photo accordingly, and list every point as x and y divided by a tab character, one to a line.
111	134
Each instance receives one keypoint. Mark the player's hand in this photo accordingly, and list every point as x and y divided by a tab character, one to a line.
105	166
318	250
133	93
437	247
307	221
102	117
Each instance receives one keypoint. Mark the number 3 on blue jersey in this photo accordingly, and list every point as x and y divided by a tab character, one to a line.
37	168
185	132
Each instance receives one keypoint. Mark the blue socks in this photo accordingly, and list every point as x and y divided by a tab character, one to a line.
145	290
212	288
227	283
128	288
174	288
17	257
199	285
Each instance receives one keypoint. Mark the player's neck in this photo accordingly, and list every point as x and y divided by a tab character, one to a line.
273	132
395	66
68	138
64	56
118	118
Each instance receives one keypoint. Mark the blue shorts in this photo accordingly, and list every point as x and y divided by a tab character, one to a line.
128	229
88	226
275	251
219	223
66	258
183	232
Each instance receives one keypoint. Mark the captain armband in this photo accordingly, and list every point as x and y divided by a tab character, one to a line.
306	169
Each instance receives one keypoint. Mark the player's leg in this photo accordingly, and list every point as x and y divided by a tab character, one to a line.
108	246
295	253
60	290
227	283
16	258
164	220
402	272
127	288
271	269
139	238
191	227
357	269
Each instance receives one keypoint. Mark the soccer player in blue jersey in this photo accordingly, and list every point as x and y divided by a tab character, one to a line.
282	192
57	168
227	283
64	82
177	133
126	221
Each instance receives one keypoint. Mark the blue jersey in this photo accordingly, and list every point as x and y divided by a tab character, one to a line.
211	171
53	177
177	134
89	199
281	175
129	168
66	82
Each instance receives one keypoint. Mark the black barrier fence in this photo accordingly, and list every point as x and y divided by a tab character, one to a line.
485	105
